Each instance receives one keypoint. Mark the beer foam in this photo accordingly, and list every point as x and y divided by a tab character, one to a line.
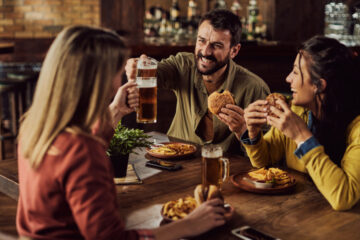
146	82
211	152
147	66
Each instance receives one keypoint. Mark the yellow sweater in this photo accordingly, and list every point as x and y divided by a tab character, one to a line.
340	186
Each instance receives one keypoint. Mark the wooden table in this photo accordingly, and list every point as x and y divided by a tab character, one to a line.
302	214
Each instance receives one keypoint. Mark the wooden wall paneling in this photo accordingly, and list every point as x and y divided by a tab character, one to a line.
124	15
267	11
293	20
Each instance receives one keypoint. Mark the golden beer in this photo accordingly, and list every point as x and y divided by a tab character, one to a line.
212	171
147	84
146	73
215	168
147	105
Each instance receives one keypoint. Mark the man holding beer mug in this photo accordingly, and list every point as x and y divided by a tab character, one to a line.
194	76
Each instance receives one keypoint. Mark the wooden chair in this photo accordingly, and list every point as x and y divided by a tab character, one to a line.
13	94
17	83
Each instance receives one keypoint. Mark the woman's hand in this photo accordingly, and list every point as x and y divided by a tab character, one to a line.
289	123
255	117
233	116
125	101
208	215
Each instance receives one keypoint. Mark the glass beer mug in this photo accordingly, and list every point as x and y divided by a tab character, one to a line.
147	83
214	169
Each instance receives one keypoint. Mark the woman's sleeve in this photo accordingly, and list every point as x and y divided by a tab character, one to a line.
91	195
105	133
340	186
267	150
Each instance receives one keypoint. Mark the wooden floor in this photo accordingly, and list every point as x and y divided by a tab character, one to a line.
7	204
7	214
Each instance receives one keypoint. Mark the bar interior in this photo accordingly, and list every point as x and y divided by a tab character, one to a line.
272	32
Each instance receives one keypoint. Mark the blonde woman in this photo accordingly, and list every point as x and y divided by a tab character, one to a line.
66	181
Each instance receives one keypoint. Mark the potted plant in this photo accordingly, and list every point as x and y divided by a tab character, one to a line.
123	143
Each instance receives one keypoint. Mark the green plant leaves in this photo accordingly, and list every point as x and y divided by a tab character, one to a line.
125	140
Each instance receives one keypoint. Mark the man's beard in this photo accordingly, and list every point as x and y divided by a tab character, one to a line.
218	65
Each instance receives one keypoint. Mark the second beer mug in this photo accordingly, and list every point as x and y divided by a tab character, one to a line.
147	84
215	168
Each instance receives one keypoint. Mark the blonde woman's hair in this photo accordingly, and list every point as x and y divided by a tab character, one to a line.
74	88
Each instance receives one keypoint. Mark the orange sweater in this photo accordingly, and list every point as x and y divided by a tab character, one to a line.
71	195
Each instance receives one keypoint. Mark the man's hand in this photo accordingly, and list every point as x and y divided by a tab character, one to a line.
130	68
233	116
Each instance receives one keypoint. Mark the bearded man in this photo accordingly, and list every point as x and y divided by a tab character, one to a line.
194	76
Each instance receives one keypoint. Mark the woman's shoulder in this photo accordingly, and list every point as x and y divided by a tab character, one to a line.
68	140
76	151
354	129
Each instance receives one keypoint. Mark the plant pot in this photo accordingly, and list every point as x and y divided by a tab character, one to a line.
120	164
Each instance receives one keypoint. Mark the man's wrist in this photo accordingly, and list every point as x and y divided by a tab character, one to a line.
238	134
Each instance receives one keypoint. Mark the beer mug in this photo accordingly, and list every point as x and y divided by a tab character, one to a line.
214	169
147	84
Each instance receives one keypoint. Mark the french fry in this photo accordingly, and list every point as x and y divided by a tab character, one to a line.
179	209
174	149
280	177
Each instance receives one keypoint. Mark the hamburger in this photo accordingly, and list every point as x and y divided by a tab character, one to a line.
271	99
216	101
204	193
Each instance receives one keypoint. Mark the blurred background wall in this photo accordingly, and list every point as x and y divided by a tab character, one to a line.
45	18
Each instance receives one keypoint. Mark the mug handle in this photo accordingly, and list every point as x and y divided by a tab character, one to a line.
226	166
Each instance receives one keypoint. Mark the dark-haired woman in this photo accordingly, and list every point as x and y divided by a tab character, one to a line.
320	133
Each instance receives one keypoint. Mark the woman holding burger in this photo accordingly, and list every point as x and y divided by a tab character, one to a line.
320	132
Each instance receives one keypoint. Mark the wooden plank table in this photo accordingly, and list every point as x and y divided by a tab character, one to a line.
302	214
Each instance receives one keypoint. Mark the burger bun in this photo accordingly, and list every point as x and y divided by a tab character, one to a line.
216	101
204	193
272	98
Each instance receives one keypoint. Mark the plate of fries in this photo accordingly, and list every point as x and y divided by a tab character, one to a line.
278	181
179	209
171	150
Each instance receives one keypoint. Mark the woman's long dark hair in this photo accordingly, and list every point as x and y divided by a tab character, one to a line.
328	59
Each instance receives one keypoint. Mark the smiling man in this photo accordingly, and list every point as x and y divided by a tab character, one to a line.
193	77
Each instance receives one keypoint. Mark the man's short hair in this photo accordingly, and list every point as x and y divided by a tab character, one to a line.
225	20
